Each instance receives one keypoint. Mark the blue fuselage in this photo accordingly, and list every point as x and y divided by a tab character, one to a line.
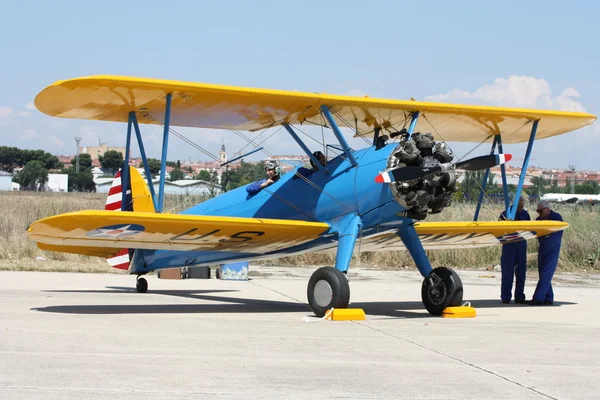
330	196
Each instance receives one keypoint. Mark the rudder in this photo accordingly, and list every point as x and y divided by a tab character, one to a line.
137	198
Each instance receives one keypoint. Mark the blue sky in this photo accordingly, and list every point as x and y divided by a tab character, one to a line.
542	54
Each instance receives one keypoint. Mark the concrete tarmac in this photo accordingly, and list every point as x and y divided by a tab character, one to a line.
91	336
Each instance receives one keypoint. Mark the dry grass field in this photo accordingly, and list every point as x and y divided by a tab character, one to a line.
580	251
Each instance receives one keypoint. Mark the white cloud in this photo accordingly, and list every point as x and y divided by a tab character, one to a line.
575	148
23	113
30	106
516	91
5	111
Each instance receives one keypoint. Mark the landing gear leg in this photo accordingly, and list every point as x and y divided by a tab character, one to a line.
141	285
441	287
328	287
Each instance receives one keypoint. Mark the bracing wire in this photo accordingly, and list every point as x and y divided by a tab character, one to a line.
486	196
250	142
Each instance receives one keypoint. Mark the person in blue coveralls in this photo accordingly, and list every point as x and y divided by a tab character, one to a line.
307	172
547	257
273	173
514	261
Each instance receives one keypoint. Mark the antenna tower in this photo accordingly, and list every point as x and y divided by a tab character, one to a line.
77	140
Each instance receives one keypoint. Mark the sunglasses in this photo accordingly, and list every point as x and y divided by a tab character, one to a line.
541	209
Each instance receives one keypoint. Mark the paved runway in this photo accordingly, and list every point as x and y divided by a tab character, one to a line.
66	335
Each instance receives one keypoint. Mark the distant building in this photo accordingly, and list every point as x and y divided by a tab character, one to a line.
187	187
184	187
5	181
66	160
223	154
510	180
289	162
96	151
57	183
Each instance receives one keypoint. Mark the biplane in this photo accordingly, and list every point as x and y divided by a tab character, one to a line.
379	196
567	198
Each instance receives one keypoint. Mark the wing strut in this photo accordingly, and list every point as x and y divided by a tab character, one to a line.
125	174
144	159
163	160
484	183
497	142
513	210
132	121
306	150
503	172
339	135
413	123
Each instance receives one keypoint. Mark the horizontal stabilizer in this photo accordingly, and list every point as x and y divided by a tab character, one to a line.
104	252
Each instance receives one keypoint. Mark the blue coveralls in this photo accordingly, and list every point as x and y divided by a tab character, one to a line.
547	261
306	172
254	187
514	263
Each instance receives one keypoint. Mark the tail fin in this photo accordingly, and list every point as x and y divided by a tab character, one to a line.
137	199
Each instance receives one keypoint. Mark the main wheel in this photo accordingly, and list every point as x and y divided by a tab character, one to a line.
328	287
441	289
141	285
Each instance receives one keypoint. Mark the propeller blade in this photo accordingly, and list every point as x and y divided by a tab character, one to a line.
483	162
473	164
405	174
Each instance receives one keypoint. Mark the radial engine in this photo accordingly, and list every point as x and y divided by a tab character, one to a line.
431	193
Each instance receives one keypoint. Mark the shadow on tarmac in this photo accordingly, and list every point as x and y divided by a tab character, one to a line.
394	309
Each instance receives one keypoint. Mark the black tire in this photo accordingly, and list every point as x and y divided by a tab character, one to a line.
141	285
447	290
218	273
332	290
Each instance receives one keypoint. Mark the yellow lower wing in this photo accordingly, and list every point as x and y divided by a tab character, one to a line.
81	231
452	235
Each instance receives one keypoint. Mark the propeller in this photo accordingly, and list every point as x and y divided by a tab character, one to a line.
473	164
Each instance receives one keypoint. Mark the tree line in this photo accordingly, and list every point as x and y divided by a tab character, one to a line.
37	164
471	186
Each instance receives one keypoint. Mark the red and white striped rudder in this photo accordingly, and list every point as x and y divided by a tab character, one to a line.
114	202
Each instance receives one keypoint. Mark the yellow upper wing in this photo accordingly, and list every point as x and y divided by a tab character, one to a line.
111	98
107	230
457	235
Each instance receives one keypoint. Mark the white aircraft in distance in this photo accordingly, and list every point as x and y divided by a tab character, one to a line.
571	198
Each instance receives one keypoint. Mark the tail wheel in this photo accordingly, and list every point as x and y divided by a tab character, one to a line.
328	287
442	288
141	285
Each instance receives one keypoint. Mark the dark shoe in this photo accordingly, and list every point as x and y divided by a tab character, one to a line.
548	303
520	301
534	302
505	301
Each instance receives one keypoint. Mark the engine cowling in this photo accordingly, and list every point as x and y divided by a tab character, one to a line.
429	194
